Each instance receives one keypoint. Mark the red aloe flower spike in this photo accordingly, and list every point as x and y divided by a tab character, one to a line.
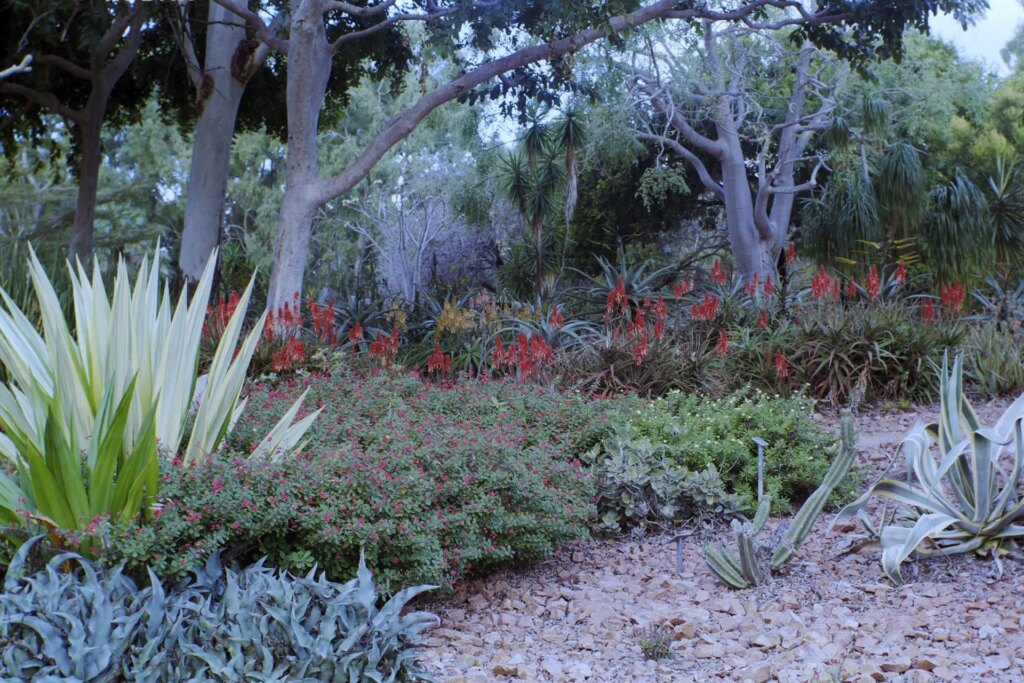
790	254
750	289
762	319
438	362
900	276
498	356
928	310
769	288
781	367
722	345
851	289
640	346
951	297
872	283
355	335
820	284
718	276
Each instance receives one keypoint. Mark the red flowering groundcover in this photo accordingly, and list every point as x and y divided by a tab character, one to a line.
434	480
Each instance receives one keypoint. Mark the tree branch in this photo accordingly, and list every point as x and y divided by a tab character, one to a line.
183	36
256	23
695	161
65	65
116	68
401	125
24	66
357	11
47	100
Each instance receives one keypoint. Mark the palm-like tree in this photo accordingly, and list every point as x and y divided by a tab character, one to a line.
1006	209
539	176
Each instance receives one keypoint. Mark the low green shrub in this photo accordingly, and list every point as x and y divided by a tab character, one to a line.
76	621
683	455
434	481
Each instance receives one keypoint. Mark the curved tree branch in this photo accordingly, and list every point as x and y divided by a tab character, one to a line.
695	161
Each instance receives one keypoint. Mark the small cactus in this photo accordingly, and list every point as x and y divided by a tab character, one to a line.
741	570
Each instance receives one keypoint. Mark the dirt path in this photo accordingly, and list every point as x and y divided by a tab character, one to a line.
581	615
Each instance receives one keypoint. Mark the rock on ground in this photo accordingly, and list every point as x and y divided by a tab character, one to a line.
834	617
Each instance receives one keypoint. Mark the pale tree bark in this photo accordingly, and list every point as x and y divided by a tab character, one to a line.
309	61
401	226
230	60
22	67
758	192
111	57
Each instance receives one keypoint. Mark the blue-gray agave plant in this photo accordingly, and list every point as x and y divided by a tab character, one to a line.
75	621
964	495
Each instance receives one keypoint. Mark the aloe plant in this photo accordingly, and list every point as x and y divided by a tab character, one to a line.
742	569
87	408
985	513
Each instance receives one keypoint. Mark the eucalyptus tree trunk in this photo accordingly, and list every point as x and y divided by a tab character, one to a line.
309	68
309	64
758	210
221	86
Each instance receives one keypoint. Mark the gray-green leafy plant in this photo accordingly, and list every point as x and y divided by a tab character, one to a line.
742	569
980	466
75	621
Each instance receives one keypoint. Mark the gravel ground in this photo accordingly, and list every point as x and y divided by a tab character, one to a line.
582	615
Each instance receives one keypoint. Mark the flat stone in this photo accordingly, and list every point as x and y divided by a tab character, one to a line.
765	640
896	665
505	670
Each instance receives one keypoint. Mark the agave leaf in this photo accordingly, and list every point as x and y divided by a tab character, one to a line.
285	436
898	542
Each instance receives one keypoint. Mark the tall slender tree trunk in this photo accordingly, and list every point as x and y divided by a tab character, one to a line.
309	68
218	99
89	130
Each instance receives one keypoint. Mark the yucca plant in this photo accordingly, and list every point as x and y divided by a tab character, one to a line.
742	569
986	509
86	412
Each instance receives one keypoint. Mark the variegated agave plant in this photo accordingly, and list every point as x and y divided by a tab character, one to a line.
964	497
76	621
87	407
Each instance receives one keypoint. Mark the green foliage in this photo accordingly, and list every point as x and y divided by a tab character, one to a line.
843	219
435	481
1000	302
981	466
75	621
879	350
605	365
994	359
900	187
685	455
1006	208
958	237
743	570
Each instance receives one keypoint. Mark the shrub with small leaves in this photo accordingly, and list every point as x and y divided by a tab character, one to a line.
434	480
685	455
76	621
